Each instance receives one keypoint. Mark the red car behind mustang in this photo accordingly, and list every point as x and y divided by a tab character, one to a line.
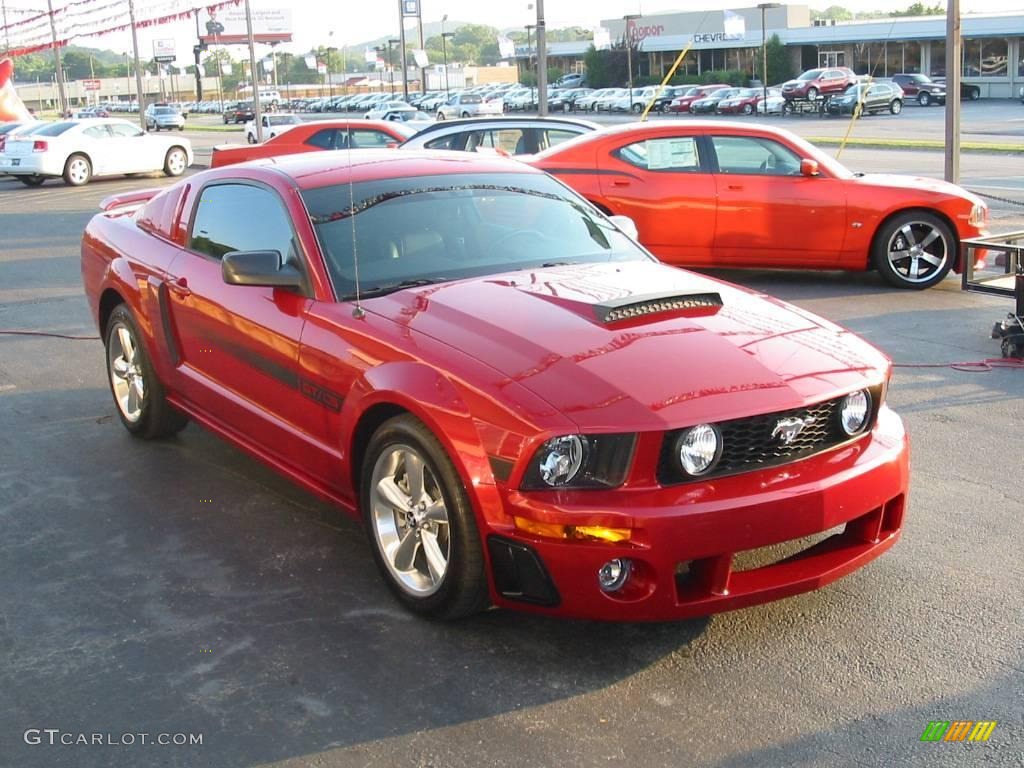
520	403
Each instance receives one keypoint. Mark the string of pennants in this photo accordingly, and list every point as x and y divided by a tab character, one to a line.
27	39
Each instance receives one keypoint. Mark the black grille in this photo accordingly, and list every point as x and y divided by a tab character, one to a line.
749	443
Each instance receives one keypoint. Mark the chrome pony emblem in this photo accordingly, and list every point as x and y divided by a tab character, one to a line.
788	429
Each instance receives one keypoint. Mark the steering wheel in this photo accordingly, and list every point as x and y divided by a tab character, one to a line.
511	237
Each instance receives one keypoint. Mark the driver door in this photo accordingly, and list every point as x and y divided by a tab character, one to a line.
135	153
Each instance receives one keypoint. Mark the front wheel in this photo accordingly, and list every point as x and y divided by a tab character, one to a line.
974	93
638	108
138	394
250	138
440	115
914	250
465	115
812	93
748	109
420	523
175	162
895	106
77	171
924	98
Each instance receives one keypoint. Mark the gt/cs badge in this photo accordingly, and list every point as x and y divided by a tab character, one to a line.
789	428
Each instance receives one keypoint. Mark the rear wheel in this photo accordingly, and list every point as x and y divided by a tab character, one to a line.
175	162
895	106
77	171
420	523
250	138
915	249
974	93
465	114
31	181
440	115
138	394
924	98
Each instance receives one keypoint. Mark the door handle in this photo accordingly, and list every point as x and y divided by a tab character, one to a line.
620	182
180	287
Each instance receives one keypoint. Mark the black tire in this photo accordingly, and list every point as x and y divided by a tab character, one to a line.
463	588
918	221
250	138
974	93
638	108
72	167
440	116
748	109
465	115
170	164
157	418
895	106
32	181
924	98
787	108
812	93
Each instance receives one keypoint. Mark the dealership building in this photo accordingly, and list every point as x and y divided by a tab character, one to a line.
993	44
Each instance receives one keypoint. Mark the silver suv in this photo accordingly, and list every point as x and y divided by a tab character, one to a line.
163	116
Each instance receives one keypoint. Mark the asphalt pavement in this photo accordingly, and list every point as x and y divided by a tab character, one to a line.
180	587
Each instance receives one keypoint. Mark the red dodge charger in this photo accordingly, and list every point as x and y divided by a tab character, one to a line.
522	406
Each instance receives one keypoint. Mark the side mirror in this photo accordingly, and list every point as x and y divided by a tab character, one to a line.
260	268
626	225
809	167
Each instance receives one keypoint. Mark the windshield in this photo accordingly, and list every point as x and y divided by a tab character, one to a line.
811	74
283	120
438	228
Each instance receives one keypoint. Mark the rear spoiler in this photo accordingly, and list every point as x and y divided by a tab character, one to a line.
128	199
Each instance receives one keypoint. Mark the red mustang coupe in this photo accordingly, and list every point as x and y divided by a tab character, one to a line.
520	403
734	195
315	136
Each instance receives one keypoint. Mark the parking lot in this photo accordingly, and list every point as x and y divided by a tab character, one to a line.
182	587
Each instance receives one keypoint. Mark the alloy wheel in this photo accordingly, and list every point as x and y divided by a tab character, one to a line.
917	250
410	520
126	373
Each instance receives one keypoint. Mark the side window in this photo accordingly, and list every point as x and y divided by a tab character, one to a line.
240	217
324	139
754	155
445	142
673	153
123	130
97	132
364	138
552	138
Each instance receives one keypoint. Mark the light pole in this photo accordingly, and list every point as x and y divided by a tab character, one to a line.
391	65
629	56
444	50
529	53
380	50
764	54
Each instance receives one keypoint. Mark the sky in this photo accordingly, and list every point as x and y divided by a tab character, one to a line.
313	20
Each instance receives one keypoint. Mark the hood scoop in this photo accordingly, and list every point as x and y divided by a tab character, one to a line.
636	307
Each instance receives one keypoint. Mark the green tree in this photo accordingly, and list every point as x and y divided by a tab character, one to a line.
779	67
920	9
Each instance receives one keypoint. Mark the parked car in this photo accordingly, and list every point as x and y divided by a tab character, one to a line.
708	104
711	193
471	393
967	90
8	129
572	80
390	106
868	99
668	95
273	125
78	150
819	82
565	100
635	101
240	112
682	103
603	103
586	102
507	135
921	88
317	136
744	101
468	105
164	117
774	106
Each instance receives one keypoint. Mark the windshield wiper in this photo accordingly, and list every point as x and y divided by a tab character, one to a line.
383	290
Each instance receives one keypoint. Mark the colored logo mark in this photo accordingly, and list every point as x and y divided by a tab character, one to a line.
958	730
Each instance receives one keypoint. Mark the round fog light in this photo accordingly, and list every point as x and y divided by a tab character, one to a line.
854	412
613	574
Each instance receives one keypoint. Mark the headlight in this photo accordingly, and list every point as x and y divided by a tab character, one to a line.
979	215
580	461
854	411
699	448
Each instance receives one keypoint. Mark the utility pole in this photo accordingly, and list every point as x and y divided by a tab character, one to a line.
629	17
542	62
764	54
423	70
953	44
197	50
529	55
405	61
256	107
7	32
138	66
60	66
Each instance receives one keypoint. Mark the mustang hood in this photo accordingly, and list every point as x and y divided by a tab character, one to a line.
592	342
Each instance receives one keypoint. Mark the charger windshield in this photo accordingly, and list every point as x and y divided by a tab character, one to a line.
431	229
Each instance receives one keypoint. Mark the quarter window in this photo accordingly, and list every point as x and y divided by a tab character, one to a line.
672	153
363	138
241	217
324	139
754	155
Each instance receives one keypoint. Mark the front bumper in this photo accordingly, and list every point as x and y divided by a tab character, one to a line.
691	542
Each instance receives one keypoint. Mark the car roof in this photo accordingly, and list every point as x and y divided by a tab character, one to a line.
320	169
453	126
